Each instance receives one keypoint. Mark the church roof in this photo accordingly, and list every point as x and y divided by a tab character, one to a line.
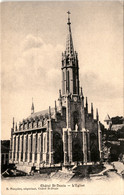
107	118
43	112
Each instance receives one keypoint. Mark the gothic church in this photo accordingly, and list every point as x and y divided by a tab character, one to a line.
65	134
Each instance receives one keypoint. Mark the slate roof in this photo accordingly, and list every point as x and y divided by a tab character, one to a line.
43	112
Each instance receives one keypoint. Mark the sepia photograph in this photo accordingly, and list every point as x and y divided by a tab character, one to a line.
62	104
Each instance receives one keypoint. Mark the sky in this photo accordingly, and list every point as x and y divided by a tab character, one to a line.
33	39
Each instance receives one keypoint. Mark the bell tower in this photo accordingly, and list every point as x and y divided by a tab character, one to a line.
71	100
70	69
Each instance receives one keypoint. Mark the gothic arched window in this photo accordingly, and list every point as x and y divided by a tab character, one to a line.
68	82
63	82
75	119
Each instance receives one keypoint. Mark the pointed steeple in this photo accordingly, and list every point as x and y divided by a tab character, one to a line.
108	121
69	42
107	118
70	69
32	107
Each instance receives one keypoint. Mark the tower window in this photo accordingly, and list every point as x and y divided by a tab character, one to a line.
68	82
63	83
75	120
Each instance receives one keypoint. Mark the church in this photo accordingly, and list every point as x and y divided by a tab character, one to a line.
65	134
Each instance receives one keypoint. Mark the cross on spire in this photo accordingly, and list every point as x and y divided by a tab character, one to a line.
69	42
69	17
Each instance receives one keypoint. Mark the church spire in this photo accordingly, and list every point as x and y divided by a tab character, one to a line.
32	107
69	42
70	69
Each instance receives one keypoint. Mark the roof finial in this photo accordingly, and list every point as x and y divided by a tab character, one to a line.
55	110
86	104
55	105
13	122
32	107
81	92
69	17
92	109
60	94
16	126
49	112
97	114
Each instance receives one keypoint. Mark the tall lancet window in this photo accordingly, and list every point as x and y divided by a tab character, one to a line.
31	141
44	144
26	153
74	82
22	148
18	147
63	83
36	148
68	82
75	120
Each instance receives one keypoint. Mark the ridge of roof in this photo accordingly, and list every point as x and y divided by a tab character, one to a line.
43	112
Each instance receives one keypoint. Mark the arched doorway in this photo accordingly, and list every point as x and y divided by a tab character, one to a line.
94	148
58	155
77	153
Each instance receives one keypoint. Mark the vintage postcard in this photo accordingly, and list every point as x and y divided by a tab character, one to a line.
62	124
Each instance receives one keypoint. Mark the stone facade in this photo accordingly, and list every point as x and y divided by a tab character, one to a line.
64	134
